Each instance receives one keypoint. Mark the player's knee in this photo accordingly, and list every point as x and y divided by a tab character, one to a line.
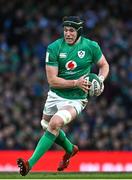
59	119
44	124
55	124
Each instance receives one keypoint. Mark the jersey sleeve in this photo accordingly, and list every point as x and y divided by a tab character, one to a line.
51	57
97	53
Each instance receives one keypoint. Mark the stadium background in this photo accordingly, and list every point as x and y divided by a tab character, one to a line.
26	28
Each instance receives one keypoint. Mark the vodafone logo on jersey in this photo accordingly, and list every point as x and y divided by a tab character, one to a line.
70	65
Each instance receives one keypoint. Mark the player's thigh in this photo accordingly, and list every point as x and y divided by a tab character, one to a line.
72	109
74	106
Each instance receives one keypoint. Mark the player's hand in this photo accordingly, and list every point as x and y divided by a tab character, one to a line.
97	92
83	84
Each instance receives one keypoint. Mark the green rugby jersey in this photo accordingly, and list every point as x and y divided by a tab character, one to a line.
73	61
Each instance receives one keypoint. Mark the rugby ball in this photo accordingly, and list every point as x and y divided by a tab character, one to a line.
94	79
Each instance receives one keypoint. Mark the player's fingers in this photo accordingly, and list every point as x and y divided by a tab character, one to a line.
85	81
85	88
87	84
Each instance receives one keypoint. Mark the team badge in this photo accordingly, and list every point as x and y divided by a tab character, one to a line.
70	65
81	54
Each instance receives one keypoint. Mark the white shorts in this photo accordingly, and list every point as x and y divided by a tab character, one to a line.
55	102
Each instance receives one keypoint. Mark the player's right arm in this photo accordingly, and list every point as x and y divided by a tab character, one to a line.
58	82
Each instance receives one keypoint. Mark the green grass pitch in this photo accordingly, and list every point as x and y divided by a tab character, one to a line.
62	175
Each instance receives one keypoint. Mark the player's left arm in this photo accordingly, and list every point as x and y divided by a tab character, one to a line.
103	67
103	73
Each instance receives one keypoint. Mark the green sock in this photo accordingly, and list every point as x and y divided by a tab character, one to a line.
45	142
63	141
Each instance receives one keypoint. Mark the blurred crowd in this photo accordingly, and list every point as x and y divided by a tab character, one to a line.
26	28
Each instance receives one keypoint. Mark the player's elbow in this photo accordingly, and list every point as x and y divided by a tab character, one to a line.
107	66
52	82
105	63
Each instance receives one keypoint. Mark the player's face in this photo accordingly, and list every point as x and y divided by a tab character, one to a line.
70	35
